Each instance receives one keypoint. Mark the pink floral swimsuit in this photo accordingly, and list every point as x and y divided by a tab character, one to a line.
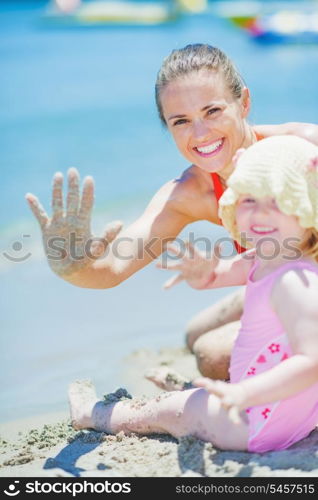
262	344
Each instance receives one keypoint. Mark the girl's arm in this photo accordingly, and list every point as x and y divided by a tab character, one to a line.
281	382
294	299
202	272
233	272
307	131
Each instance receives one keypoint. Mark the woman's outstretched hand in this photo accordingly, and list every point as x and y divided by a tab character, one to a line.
194	267
67	238
232	396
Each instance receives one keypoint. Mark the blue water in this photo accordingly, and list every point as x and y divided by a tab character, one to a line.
84	97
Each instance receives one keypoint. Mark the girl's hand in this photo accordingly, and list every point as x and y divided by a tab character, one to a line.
193	266
232	396
68	242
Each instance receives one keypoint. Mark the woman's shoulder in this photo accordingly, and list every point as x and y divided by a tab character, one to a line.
192	192
193	181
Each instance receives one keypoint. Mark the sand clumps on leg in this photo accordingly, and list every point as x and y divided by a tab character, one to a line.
120	394
168	379
82	399
89	412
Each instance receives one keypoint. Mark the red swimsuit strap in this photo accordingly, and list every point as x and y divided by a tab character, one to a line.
219	190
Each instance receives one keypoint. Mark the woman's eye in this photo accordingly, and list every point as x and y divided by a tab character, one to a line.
248	200
212	111
181	121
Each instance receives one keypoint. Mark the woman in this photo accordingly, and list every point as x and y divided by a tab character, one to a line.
204	103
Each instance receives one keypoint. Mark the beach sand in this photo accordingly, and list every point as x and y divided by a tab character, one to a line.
47	446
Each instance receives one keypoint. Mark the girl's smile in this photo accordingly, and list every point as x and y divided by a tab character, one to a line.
266	227
263	230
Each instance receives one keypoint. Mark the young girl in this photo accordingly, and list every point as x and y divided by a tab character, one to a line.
271	205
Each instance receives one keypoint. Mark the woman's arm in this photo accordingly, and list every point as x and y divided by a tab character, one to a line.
307	131
67	234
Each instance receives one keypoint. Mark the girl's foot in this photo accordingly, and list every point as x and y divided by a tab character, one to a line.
82	399
168	379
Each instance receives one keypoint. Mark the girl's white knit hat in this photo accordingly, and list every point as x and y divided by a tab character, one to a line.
283	167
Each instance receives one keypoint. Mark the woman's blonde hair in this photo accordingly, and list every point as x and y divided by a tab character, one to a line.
195	57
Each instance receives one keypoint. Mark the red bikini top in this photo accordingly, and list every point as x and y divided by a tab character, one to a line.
219	190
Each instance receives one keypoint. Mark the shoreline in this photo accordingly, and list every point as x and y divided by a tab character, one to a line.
46	445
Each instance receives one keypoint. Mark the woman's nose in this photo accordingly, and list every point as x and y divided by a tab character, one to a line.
200	130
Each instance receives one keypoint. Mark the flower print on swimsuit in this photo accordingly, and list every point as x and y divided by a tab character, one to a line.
271	354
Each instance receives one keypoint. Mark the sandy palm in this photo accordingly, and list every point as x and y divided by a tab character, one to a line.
67	235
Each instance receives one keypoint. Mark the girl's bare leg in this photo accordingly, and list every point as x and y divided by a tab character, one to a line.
193	412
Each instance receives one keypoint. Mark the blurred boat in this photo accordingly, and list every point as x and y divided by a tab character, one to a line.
120	12
271	22
284	27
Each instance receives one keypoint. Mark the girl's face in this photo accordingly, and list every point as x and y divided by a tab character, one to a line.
267	228
206	121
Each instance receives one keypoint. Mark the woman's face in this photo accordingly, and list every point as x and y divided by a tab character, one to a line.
206	121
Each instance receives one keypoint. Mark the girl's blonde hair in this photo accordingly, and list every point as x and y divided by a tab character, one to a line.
309	246
284	168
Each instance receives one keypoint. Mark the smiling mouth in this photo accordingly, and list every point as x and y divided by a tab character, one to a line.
263	229
210	149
